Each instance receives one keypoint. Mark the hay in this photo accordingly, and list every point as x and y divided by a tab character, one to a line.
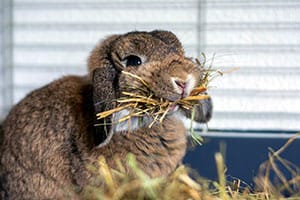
147	105
144	102
117	184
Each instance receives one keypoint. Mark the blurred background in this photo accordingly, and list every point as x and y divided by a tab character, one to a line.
42	40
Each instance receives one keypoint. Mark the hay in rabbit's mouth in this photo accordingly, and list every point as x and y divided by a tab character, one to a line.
145	103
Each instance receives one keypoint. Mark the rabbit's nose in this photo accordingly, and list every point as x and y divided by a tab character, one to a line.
183	86
180	86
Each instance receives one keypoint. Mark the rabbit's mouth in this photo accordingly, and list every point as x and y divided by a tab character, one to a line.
173	108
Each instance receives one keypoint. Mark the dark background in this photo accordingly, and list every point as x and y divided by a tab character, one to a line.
243	156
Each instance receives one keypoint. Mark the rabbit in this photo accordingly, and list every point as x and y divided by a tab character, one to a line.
50	137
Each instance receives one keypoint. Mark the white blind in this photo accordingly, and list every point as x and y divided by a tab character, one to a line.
6	54
1	61
53	38
263	38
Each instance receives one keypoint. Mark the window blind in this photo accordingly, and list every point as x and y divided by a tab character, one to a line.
1	62
54	38
6	56
263	39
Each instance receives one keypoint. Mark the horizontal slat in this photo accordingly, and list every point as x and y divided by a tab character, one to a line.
234	58
100	4
258	121
75	58
107	16
262	70
28	4
104	27
255	48
109	27
258	92
38	78
229	4
254	38
45	39
270	82
256	26
256	103
253	14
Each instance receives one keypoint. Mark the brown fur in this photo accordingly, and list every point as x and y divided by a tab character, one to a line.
49	137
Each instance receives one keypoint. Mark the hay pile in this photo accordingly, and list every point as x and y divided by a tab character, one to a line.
118	185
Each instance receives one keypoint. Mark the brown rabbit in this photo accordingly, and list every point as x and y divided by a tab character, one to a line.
49	137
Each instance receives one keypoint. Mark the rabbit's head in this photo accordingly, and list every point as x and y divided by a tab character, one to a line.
157	57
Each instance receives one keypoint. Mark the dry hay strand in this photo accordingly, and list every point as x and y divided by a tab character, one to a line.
277	168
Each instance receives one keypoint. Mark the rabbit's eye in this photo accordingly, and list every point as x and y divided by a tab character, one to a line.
133	60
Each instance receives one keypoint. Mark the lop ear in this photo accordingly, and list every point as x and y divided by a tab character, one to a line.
104	77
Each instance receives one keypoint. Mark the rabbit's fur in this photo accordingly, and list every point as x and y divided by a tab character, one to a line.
49	137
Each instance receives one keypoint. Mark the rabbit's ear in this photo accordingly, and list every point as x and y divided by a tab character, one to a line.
104	76
104	92
104	88
168	38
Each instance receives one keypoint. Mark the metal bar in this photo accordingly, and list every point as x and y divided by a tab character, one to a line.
254	133
258	134
201	27
234	115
